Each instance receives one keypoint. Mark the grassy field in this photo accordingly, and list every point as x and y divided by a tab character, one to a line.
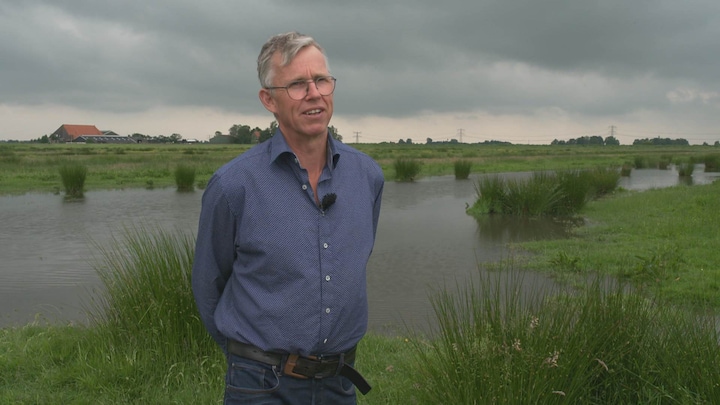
35	167
665	240
653	343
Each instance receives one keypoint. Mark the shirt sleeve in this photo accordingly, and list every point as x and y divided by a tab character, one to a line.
214	255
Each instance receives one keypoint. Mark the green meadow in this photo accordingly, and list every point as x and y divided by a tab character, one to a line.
28	167
633	323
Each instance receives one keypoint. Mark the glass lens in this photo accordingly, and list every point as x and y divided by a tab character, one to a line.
325	85
297	90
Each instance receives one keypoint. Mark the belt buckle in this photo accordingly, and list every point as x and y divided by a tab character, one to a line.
289	368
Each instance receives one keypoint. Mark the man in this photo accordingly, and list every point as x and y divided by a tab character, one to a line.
285	234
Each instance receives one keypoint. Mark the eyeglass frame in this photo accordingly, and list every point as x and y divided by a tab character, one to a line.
307	86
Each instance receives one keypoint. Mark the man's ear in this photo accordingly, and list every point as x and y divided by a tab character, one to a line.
267	100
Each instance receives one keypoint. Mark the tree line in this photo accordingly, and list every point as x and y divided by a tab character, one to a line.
238	133
244	134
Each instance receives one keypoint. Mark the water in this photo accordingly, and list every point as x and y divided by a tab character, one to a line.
425	241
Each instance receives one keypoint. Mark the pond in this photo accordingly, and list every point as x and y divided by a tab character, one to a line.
425	241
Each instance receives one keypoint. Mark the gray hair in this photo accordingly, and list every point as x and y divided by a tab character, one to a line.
288	44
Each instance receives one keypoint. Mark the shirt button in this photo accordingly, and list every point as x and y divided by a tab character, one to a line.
325	245
327	310
304	187
327	278
325	341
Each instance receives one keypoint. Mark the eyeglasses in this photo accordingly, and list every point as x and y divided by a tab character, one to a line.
298	90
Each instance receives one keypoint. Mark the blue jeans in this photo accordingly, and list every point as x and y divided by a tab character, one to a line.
252	382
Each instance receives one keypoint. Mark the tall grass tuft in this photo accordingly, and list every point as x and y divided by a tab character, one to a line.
640	162
664	162
712	162
544	193
462	169
685	169
406	169
147	300
626	169
539	195
185	177
602	344
73	179
603	180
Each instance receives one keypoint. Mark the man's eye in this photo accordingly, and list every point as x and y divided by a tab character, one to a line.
322	80
297	85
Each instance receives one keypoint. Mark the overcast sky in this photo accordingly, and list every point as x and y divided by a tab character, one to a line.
524	71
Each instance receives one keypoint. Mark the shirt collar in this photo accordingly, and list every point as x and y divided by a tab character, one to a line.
279	147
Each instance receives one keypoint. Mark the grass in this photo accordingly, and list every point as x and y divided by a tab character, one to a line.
544	193
406	169
685	169
73	178
664	238
185	177
463	168
599	345
33	167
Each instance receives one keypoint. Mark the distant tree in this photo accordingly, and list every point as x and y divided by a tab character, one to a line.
218	133
717	143
268	132
44	139
241	134
611	141
175	138
408	141
661	141
429	141
401	141
334	133
139	137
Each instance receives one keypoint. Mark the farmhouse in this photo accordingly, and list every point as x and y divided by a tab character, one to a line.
85	133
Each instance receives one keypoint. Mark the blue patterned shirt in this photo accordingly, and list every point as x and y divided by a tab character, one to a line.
275	270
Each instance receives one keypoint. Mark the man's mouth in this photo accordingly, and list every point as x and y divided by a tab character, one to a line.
313	112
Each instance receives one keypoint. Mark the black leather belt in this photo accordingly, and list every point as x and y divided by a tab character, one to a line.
304	367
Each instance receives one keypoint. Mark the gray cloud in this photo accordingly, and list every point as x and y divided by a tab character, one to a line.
392	59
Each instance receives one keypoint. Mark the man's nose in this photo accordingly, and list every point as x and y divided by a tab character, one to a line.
312	90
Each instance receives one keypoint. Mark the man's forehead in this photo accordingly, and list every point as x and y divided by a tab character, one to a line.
314	62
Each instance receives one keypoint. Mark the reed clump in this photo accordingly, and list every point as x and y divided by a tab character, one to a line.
406	169
185	177
73	177
147	299
626	169
545	193
712	162
685	169
604	343
462	169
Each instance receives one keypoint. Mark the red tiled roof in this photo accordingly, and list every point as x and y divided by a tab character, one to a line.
78	130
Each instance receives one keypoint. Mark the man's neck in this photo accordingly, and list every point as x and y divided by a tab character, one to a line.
312	152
